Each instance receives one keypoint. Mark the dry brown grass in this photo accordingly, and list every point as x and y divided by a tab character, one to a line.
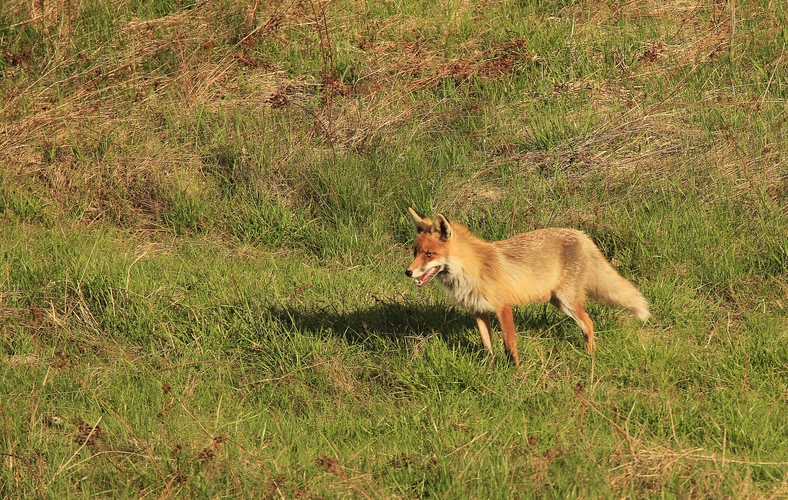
97	128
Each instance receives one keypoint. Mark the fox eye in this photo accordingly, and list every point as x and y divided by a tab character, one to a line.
429	255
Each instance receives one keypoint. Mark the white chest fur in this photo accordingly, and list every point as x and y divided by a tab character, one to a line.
466	290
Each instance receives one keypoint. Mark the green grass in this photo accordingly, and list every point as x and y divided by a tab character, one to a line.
203	230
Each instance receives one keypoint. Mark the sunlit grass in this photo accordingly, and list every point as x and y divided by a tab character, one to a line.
204	230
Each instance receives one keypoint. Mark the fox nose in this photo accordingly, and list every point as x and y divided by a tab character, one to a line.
408	273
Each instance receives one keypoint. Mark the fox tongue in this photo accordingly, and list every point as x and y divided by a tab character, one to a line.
426	277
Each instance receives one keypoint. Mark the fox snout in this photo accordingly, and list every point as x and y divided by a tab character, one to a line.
423	277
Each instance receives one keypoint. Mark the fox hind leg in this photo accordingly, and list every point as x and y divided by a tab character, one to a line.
575	309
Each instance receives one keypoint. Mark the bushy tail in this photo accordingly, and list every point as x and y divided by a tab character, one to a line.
606	285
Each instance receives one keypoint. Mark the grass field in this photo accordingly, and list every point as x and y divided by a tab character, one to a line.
204	229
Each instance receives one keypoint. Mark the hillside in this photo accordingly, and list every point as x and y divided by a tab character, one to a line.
204	229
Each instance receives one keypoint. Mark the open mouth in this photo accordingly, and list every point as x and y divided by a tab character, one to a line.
426	277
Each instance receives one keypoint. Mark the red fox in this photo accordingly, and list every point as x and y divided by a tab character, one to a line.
562	266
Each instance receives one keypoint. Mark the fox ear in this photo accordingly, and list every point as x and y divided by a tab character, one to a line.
422	223
443	226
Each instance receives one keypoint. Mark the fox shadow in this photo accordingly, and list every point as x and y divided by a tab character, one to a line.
388	325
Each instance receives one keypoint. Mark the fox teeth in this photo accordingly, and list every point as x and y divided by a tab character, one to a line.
426	277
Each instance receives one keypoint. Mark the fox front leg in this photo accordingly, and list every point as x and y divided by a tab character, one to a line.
509	340
483	322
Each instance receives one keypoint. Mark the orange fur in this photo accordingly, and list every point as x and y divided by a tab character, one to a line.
559	265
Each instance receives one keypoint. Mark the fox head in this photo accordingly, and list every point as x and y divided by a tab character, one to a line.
430	251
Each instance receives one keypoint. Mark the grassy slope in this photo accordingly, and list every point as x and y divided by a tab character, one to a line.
204	231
